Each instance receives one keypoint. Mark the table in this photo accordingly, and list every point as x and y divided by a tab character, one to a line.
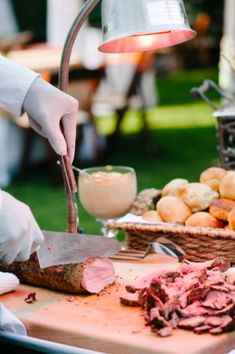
101	323
42	58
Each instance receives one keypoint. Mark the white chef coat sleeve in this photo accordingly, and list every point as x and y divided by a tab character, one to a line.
10	323
15	81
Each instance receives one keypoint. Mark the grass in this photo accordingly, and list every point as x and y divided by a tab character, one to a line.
183	142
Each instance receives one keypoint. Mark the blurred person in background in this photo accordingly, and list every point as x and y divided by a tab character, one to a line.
227	50
9	136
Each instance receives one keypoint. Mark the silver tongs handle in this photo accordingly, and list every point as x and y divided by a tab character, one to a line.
71	190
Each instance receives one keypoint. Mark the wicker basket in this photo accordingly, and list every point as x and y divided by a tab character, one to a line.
198	243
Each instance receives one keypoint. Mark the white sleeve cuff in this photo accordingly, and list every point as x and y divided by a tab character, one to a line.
15	81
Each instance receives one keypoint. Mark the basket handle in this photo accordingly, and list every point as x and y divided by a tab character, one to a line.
208	85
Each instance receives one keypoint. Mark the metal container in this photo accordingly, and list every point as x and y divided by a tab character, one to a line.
225	118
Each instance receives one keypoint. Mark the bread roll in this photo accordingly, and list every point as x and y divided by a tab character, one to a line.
213	176
220	208
231	219
172	209
203	219
173	186
227	186
227	227
198	196
229	171
151	215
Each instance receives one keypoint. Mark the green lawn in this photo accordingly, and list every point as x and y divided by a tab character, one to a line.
184	139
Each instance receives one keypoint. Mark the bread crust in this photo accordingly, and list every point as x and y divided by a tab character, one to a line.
198	196
151	215
203	219
227	186
213	176
231	219
173	187
172	209
220	208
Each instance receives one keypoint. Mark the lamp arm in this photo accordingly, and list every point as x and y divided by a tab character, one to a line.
69	42
66	167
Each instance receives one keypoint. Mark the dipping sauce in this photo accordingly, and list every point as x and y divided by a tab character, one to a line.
108	195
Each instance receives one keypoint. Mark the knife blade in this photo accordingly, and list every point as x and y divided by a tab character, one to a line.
65	248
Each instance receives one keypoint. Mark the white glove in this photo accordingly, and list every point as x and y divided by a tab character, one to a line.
20	235
8	282
49	110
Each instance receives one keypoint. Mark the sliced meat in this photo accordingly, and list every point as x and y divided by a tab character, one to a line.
158	322
142	297
145	281
214	321
202	329
129	299
216	299
216	330
171	306
221	263
229	309
227	324
214	277
170	277
195	309
191	322
165	332
198	296
174	320
157	290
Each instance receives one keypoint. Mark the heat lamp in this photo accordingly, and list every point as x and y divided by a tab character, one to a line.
127	26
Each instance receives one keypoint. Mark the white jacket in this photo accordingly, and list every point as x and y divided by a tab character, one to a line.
15	81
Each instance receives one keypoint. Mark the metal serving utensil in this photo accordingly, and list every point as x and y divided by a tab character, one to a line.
162	247
79	170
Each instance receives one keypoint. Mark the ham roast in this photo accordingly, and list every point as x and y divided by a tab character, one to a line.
91	276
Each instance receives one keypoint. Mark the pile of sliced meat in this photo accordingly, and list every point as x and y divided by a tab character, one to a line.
197	296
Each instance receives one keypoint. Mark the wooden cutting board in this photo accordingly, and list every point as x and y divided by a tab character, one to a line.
99	322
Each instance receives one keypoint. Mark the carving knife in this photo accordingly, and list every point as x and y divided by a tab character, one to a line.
65	248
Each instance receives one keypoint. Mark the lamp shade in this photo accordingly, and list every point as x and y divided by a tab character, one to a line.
143	25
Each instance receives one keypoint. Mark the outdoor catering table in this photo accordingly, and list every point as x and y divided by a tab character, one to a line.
46	59
101	323
42	58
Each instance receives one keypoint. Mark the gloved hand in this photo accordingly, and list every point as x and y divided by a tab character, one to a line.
48	110
20	235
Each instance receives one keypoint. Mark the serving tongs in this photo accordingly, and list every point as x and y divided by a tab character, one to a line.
71	190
